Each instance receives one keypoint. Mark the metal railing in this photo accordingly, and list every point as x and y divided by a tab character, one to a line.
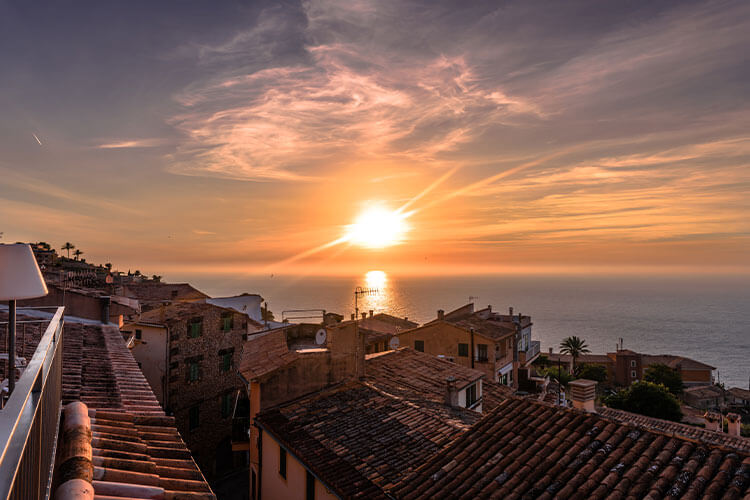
30	419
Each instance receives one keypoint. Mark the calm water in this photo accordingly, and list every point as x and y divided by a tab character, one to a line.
701	317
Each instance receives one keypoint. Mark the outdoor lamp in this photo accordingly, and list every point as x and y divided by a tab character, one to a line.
20	278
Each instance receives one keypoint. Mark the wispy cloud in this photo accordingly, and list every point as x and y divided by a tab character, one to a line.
132	143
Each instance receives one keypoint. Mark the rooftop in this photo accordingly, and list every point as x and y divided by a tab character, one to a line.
530	449
182	311
361	437
265	353
151	291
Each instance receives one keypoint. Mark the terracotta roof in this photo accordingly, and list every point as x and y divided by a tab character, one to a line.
180	311
705	391
677	429
489	328
583	358
529	449
675	361
411	372
739	393
133	442
363	436
403	323
149	291
357	435
264	353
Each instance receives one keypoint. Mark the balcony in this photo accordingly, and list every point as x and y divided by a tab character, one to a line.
527	357
30	417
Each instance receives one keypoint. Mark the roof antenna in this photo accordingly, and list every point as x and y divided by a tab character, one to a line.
472	298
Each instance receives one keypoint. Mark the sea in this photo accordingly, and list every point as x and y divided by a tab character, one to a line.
704	317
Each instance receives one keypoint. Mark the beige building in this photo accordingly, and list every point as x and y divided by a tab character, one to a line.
496	344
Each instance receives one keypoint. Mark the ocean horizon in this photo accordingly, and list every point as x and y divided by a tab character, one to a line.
705	318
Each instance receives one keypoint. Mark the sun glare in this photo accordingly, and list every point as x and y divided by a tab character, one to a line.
377	227
376	279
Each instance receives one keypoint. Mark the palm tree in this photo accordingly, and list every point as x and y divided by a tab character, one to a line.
68	246
77	253
575	347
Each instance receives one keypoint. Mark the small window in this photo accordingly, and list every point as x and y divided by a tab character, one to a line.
471	395
138	334
632	374
482	352
195	328
282	462
463	350
227	322
632	363
419	345
226	361
193	371
309	486
194	417
226	405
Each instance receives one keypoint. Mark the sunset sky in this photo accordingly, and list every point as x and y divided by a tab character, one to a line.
513	135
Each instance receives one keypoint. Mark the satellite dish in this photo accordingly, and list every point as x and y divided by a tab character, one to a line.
393	343
320	336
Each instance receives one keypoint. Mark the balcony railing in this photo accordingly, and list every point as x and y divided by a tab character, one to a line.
532	352
29	421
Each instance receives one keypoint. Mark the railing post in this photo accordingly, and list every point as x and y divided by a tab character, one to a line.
11	346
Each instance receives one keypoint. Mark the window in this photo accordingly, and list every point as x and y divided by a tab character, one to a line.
227	322
463	349
194	371
482	352
195	328
226	404
282	462
471	395
194	417
632	363
632	374
309	486
226	362
419	345
138	334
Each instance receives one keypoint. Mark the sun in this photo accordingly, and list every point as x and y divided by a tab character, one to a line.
377	227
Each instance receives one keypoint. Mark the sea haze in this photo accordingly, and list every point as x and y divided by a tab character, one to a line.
703	317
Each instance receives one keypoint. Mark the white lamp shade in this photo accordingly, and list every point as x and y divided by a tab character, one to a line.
20	277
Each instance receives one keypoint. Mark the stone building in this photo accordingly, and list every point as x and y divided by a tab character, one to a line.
189	352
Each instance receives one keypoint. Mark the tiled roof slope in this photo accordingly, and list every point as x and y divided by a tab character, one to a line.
137	451
673	361
148	291
265	352
356	434
180	311
364	436
677	429
408	373
528	449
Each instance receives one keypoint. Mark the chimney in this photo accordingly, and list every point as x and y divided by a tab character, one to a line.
583	394
489	308
441	314
105	302
510	311
550	350
451	392
406	318
371	312
713	421
364	315
733	424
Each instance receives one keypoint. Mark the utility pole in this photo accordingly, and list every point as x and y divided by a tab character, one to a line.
359	342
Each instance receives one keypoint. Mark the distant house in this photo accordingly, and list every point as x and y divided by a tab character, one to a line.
379	329
707	397
497	344
152	294
738	398
630	367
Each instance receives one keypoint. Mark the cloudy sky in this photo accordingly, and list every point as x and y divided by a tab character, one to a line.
521	135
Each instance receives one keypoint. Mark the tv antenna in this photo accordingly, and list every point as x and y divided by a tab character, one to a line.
362	292
472	298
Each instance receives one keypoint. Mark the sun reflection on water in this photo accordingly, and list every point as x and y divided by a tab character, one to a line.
380	301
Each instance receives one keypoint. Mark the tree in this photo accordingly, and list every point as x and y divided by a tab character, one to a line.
156	278
647	398
68	246
560	375
77	253
662	374
266	314
43	245
575	347
593	372
108	265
